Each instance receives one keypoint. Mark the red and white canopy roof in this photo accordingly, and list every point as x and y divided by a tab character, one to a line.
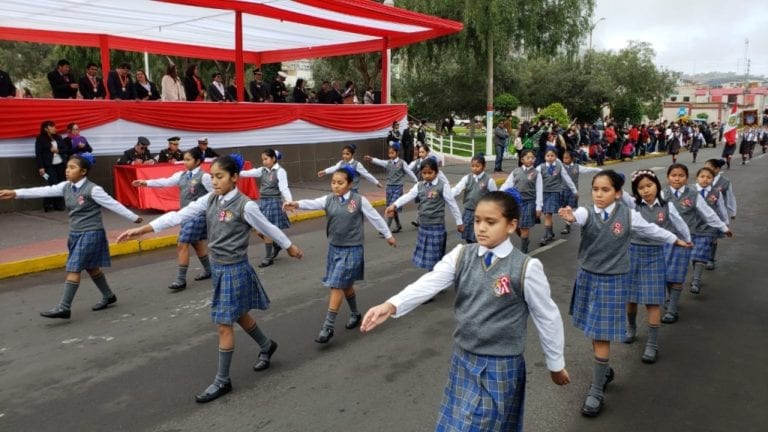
273	30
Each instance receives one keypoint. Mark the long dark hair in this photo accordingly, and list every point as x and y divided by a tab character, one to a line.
650	175
171	72
43	126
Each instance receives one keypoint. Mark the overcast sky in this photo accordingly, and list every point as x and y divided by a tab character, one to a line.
689	36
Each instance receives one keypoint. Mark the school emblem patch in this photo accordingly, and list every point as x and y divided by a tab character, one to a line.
80	200
712	198
352	206
502	285
225	216
660	218
532	175
272	177
431	194
687	202
618	228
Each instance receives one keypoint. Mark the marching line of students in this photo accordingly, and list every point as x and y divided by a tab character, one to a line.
631	252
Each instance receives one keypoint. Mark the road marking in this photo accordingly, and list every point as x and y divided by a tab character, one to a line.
760	156
657	168
548	247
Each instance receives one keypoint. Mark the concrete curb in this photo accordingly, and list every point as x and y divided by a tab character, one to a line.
54	261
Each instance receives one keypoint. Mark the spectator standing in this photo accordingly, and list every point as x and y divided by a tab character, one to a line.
63	83
407	142
120	84
299	93
172	153
349	96
7	89
277	90
208	153
500	136
90	85
336	93
216	90
137	155
421	133
368	97
193	85
75	143
173	89
51	156
394	135
325	95
259	90
145	89
232	91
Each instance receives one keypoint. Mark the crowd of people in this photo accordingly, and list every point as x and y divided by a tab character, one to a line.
190	86
636	249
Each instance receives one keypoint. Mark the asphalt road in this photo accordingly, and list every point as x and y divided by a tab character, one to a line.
138	365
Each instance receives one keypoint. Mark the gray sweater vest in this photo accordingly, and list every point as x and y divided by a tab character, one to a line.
552	182
604	247
686	206
228	232
723	186
525	182
658	214
345	220
431	203
191	188
395	172
355	181
268	184
84	212
490	310
704	229
573	172
474	190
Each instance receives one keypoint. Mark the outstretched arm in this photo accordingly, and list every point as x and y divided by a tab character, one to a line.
103	199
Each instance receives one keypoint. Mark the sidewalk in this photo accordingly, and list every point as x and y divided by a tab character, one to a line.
34	241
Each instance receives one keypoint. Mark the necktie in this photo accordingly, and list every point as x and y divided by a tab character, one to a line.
605	215
551	169
189	175
677	194
488	258
341	199
704	193
74	189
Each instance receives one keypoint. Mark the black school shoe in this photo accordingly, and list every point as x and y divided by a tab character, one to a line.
265	357
592	406
104	303
354	321
214	391
57	312
325	335
177	286
203	276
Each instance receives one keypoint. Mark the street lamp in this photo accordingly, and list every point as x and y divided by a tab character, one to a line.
591	29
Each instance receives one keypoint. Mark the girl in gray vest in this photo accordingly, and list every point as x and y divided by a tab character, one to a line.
747	146
647	266
705	237
424	154
273	191
527	180
344	210
601	290
348	160
497	288
723	185
697	215
475	186
554	177
193	183
87	243
397	170
433	196
229	215
567	197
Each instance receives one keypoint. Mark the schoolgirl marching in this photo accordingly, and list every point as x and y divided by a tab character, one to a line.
527	181
87	243
397	170
554	177
348	160
475	185
230	215
723	185
574	170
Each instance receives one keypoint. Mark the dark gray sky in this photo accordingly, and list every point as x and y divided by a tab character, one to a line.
689	36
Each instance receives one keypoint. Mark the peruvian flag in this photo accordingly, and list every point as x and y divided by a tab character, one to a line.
729	132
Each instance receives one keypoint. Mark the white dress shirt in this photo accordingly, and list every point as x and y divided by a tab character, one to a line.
97	193
730	198
638	225
174	179
407	169
440	174
450	201
282	179
462	184
544	312
253	216
370	213
563	173
360	170
510	183
721	211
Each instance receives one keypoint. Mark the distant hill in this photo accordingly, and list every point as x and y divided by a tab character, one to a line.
718	78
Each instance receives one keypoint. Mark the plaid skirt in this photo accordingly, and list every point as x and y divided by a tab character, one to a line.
430	246
677	259
702	248
599	304
236	290
273	211
484	393
528	213
648	274
551	202
393	193
193	230
87	250
468	220
568	198
345	265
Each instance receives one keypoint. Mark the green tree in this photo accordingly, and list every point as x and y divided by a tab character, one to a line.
362	69
506	103
27	64
555	111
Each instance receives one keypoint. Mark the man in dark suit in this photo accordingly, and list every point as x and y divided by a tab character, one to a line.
91	85
259	90
208	153
216	90
7	89
120	84
277	90
407	142
172	153
63	83
138	155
